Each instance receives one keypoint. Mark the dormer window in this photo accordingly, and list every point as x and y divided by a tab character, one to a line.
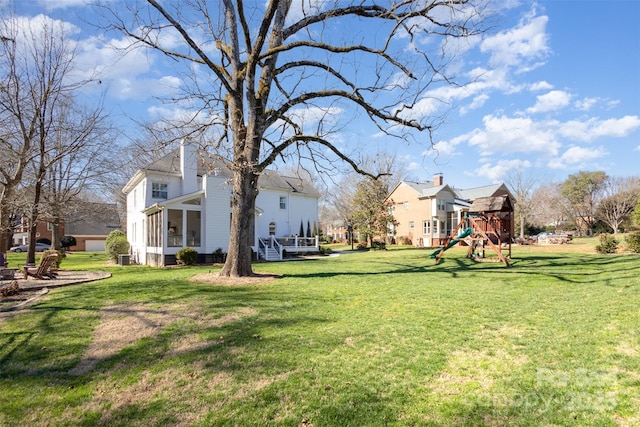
159	191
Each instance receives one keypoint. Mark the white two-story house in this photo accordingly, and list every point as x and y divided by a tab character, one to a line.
184	200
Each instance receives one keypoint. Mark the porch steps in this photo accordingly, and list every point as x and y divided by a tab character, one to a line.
272	255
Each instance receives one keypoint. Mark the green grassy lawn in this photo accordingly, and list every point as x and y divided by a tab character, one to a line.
362	339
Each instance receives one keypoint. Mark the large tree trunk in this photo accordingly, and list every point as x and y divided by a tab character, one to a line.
5	226
240	255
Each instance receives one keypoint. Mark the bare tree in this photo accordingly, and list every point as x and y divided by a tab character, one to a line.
548	206
35	101
522	184
16	135
620	196
81	160
280	81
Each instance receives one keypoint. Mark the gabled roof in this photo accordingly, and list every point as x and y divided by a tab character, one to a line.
463	197
93	219
432	191
423	189
207	163
176	200
419	187
272	179
477	192
212	164
491	204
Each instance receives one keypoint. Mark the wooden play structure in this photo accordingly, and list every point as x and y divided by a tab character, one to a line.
487	225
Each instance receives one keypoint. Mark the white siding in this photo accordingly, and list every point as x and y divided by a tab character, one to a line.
216	213
303	208
269	201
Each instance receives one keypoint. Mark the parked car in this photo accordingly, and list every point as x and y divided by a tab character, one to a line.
40	247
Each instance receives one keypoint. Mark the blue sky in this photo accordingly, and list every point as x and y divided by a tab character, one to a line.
557	91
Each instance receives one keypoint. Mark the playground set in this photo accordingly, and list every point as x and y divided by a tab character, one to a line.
487	224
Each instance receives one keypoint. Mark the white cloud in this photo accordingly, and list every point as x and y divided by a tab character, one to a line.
514	135
522	47
446	148
593	128
617	127
550	101
497	172
585	104
476	103
62	4
537	86
578	156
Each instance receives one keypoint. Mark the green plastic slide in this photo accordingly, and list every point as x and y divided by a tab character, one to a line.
466	232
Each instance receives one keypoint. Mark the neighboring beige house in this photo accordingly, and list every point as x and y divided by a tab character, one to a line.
427	212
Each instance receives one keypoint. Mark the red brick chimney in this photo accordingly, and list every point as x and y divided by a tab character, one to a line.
437	180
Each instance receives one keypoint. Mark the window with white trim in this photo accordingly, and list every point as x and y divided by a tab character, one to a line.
283	202
159	190
426	227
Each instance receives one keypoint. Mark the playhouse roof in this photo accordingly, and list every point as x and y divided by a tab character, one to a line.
491	204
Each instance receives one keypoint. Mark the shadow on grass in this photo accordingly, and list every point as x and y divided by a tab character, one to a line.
569	268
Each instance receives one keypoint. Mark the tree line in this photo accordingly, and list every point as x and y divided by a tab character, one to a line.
586	202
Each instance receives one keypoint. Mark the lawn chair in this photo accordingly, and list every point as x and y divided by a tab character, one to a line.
44	270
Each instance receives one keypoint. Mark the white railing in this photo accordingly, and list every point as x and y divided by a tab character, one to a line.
269	245
293	244
300	244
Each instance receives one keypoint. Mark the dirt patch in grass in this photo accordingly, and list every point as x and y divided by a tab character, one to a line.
215	279
124	324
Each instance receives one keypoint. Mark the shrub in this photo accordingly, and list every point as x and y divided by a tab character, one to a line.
68	241
115	234
325	250
633	242
377	245
403	240
362	245
116	244
187	256
61	256
218	256
608	244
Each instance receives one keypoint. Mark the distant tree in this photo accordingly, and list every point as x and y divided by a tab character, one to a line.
81	150
636	213
548	207
338	204
278	82
522	183
371	216
584	191
620	197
